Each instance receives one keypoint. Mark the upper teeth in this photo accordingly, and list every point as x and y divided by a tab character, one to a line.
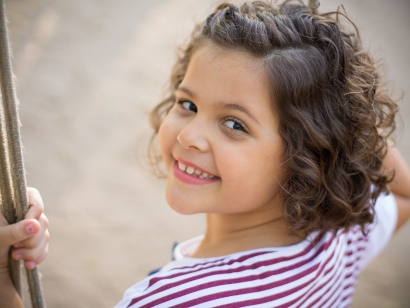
195	172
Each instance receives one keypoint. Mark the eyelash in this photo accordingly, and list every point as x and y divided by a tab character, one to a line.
243	126
243	129
181	101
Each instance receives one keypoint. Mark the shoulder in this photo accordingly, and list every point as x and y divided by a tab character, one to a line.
262	276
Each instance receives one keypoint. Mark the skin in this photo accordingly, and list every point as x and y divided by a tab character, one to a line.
207	128
400	186
30	237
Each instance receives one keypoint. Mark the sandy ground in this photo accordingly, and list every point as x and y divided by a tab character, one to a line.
88	73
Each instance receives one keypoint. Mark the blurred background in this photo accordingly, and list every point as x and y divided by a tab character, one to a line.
88	74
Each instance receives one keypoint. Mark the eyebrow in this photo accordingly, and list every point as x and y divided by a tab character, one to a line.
187	91
234	106
223	105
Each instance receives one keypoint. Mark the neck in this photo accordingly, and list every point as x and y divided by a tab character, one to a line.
230	233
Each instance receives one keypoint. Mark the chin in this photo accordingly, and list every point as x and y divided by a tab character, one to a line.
178	205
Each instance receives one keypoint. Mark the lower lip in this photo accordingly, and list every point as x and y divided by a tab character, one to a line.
190	179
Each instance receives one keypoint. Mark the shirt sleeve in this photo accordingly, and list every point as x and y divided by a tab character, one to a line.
383	227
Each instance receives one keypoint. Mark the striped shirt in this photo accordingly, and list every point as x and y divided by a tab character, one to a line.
320	271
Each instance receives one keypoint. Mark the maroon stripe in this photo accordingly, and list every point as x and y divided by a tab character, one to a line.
310	293
267	299
232	261
241	258
347	286
320	298
349	296
355	240
225	293
336	289
319	288
228	271
336	298
323	284
330	278
277	296
269	286
239	280
358	249
314	291
352	273
242	268
259	288
286	293
200	267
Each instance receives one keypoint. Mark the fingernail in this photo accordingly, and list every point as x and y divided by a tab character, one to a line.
31	264
30	228
18	256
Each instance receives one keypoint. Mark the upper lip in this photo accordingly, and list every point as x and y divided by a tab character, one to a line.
189	164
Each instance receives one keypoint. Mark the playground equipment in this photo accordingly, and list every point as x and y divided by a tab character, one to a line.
14	200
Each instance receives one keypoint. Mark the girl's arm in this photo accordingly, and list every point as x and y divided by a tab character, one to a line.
30	237
400	186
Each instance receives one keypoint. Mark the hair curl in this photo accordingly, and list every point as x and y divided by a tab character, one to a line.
334	119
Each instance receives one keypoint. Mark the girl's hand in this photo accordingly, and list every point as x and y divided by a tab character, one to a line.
30	236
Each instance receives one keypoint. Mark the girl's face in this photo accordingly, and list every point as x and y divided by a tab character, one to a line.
220	141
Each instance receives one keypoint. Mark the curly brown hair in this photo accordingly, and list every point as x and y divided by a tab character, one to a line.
334	119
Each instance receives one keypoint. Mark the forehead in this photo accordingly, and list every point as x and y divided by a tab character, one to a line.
234	59
225	72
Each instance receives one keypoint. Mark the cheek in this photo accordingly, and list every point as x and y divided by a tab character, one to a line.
248	162
165	137
248	173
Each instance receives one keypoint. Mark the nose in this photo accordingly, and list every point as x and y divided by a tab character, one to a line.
193	136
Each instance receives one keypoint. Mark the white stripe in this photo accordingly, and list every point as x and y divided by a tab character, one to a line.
247	284
336	267
267	293
332	266
242	274
336	282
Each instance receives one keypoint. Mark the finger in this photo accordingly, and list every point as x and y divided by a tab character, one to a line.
38	237
39	260
12	234
30	264
42	256
36	203
35	240
32	254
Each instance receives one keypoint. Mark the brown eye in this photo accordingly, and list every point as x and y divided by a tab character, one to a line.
187	105
235	125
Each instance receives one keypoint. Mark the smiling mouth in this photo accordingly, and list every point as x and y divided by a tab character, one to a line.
195	172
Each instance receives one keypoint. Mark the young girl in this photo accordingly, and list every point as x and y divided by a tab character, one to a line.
276	128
